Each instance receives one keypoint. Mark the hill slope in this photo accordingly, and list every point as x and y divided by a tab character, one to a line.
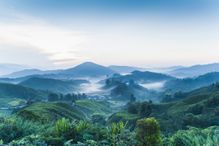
88	69
54	85
125	69
18	91
31	72
143	77
9	68
199	108
51	111
196	70
189	84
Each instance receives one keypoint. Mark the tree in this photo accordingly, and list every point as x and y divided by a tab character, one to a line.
132	98
148	132
132	108
145	109
53	97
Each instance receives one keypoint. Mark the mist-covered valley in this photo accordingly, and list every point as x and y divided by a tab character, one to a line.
91	104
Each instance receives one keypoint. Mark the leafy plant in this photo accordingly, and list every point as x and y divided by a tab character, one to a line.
148	132
196	137
62	126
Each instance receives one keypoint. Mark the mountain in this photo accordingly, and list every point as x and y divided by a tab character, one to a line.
18	91
88	69
188	84
194	71
143	77
9	68
54	85
125	69
30	72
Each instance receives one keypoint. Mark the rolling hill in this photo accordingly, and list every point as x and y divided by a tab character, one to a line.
198	108
189	84
143	77
195	70
30	72
53	85
51	111
10	68
125	69
21	92
88	69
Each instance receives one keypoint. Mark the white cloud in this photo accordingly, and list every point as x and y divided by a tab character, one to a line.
56	43
125	42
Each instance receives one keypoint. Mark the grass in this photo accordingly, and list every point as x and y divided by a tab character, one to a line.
50	112
94	107
10	102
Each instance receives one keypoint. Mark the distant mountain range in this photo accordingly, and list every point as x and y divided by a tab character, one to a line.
143	77
90	69
29	72
125	69
189	84
195	70
87	69
10	68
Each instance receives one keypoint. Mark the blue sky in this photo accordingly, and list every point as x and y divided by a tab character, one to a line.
146	33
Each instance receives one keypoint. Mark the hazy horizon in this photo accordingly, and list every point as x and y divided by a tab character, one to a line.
151	33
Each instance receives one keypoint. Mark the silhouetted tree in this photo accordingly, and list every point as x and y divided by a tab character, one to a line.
53	97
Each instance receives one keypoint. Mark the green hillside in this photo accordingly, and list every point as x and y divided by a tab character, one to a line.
46	112
18	91
199	108
189	84
51	111
53	85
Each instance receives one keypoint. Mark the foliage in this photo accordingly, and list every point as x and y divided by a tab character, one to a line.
81	126
18	91
196	137
143	109
148	132
116	128
62	126
44	112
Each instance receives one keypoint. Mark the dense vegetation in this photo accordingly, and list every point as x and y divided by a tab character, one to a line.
53	85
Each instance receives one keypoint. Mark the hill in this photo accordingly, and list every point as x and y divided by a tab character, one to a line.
54	85
119	90
51	111
9	68
189	84
30	72
199	108
46	112
195	70
143	77
18	91
125	69
88	69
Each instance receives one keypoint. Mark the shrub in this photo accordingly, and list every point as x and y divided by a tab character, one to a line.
196	109
148	132
62	126
196	137
81	126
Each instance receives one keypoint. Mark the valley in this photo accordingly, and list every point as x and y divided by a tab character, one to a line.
91	100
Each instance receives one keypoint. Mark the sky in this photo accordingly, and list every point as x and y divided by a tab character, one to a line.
145	33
